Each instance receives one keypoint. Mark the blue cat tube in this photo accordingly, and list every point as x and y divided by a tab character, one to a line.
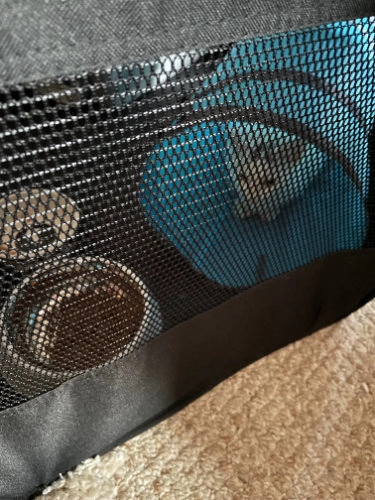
313	89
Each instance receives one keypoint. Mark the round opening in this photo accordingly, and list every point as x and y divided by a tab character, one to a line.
77	318
35	222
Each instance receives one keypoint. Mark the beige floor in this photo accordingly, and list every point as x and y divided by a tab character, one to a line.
299	424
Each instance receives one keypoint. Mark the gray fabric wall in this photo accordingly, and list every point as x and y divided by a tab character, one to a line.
45	38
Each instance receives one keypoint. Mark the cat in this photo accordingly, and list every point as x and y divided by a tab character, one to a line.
269	168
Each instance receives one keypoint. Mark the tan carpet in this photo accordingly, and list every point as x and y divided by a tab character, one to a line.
299	424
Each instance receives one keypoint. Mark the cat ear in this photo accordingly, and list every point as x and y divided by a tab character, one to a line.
238	135
242	143
288	152
236	146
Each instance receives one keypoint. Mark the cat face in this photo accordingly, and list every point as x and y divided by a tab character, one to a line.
268	169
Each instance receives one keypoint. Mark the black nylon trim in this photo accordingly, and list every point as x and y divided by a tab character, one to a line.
95	411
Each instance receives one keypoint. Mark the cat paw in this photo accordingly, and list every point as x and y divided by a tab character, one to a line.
269	214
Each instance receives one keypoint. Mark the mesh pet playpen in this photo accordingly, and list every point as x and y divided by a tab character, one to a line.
185	187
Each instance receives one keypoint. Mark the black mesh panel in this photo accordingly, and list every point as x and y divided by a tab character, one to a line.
137	197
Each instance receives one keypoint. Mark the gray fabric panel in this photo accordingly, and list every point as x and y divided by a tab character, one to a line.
45	38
